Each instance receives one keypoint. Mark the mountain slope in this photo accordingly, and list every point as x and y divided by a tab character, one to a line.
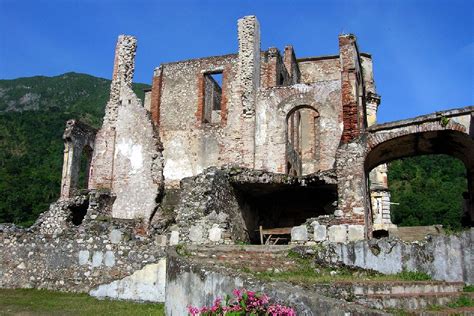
33	113
78	94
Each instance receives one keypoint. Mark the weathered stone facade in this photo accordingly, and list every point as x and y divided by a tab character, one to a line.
268	111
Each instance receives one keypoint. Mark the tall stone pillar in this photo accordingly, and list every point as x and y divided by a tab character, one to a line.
128	155
351	81
241	118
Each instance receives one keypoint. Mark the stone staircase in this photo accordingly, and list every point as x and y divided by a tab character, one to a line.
416	297
405	295
256	258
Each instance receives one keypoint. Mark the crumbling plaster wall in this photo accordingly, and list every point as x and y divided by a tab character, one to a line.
190	145
447	258
127	157
273	107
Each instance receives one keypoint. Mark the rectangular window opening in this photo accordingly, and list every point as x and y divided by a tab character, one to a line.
212	97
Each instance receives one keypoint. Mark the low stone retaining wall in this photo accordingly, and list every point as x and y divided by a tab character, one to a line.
446	258
102	257
191	283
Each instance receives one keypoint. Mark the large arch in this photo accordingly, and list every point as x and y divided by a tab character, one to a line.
449	132
452	139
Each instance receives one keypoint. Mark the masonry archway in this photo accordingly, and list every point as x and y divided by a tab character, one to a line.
392	146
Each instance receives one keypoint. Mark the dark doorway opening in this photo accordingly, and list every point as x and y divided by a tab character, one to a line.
381	233
273	206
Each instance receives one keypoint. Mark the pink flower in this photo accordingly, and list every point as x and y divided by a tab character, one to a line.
193	310
236	293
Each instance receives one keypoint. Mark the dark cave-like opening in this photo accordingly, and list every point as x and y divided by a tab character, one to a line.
78	212
274	206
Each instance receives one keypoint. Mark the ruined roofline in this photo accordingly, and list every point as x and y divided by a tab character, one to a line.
435	116
197	59
325	57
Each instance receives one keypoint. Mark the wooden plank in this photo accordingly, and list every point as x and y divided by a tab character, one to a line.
277	231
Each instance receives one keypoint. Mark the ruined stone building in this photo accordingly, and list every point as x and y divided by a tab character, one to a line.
224	145
253	147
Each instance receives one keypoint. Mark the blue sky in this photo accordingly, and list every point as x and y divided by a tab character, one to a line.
423	51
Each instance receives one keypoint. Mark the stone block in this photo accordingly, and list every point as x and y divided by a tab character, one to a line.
174	238
97	258
161	240
320	233
195	234
355	232
338	213
109	259
84	257
115	236
215	233
337	233
299	233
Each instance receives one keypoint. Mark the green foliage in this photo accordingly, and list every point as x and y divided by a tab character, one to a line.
428	189
31	146
468	288
463	301
412	276
43	302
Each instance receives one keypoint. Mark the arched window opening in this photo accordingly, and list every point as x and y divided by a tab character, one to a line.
302	152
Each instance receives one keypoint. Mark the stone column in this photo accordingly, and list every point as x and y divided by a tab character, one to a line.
352	184
78	140
241	123
349	58
66	179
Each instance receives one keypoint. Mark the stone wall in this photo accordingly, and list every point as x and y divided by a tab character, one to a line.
191	145
228	204
82	259
274	105
447	258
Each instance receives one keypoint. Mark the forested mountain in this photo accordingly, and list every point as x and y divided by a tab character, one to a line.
428	190
33	112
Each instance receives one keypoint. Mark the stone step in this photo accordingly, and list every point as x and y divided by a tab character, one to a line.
401	287
446	311
409	301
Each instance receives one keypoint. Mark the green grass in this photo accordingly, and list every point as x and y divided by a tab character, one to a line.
463	301
468	288
43	302
307	272
412	276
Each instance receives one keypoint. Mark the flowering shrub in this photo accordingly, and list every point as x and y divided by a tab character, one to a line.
243	303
